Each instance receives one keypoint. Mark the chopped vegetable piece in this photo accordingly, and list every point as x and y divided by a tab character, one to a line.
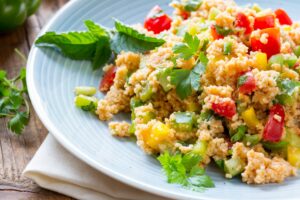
135	102
240	133
191	5
275	145
274	127
285	99
184	14
276	59
273	44
214	33
250	118
108	79
146	93
290	61
164	77
246	83
88	91
207	115
293	154
183	121
86	103
213	12
200	148
297	51
283	17
251	140
261	61
242	21
227	48
234	166
292	138
263	22
225	109
157	21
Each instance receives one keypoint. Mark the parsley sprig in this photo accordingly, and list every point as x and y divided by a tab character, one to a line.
13	103
185	170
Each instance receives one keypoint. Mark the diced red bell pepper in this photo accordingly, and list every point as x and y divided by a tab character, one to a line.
242	21
157	21
225	109
267	21
184	14
273	130
272	46
283	17
108	79
248	84
214	33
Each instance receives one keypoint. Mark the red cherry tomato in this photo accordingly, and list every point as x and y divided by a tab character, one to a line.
274	127
267	21
242	21
225	109
108	79
248	85
157	21
283	17
214	33
272	46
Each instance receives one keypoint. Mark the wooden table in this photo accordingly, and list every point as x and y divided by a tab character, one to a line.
16	152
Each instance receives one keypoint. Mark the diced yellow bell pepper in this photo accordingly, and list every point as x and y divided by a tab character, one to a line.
158	134
294	156
250	118
261	61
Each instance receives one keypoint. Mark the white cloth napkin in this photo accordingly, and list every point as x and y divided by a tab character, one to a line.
54	168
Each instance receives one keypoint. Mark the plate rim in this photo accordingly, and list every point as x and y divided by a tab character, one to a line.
71	148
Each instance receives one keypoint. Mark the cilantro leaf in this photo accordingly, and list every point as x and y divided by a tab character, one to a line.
75	45
13	104
192	5
187	80
201	181
129	39
188	48
18	122
185	170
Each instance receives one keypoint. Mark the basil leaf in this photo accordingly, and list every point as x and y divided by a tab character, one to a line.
75	45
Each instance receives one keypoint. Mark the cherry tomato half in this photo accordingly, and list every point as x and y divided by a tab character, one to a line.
273	130
283	17
272	46
267	21
108	79
225	109
157	21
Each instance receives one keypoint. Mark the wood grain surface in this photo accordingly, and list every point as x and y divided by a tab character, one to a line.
17	151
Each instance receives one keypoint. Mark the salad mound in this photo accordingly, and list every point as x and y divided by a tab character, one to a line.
215	82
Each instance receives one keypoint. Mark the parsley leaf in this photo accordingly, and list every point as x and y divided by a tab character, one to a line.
240	133
185	170
187	80
13	103
242	79
188	48
192	5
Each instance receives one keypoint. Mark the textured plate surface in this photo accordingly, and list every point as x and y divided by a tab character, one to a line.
52	78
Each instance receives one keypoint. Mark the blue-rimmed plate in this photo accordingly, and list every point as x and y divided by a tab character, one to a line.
52	78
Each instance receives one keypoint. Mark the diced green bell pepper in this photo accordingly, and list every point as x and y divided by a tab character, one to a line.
234	166
183	121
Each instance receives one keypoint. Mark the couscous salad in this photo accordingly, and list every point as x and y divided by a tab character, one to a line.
213	83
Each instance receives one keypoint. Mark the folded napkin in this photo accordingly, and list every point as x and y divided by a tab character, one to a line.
54	168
